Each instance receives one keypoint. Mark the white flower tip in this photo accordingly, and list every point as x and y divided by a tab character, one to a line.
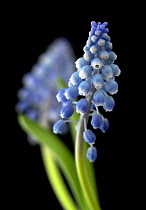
58	99
81	76
114	92
82	93
109	110
55	132
66	96
61	116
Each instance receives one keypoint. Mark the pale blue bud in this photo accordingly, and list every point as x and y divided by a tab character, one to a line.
67	111
91	154
82	106
107	71
84	87
59	126
109	103
85	72
98	98
89	136
98	80
71	92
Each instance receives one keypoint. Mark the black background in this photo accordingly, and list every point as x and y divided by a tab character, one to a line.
30	29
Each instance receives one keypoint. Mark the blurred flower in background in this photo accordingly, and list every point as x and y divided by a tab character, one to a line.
37	97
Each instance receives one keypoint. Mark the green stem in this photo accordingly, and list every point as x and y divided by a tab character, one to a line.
89	165
84	178
56	180
74	117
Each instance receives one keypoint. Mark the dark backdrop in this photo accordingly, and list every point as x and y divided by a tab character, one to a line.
30	30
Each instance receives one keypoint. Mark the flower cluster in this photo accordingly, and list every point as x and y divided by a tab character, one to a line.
94	83
37	97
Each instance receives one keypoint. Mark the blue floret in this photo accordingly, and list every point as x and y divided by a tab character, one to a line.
91	154
59	126
82	106
89	136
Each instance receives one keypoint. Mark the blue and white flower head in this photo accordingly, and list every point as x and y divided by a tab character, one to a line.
94	81
37	96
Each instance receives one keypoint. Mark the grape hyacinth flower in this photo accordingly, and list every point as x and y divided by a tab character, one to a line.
94	81
37	97
89	93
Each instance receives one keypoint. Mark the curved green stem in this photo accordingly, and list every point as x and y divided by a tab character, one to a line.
56	180
84	178
89	165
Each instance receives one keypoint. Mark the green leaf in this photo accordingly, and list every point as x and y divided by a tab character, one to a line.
56	180
59	150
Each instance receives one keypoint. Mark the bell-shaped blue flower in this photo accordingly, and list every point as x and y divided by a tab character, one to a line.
84	87
115	69
71	92
112	56
88	56
112	86
67	111
107	71
109	103
98	32
106	37
104	55
101	42
108	46
82	106
80	63
59	126
96	120
105	125
89	136
98	98
94	38
86	49
75	79
85	72
111	59
93	49
91	154
89	43
98	80
60	95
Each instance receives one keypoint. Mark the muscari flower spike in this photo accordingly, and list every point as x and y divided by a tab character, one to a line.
94	81
37	96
